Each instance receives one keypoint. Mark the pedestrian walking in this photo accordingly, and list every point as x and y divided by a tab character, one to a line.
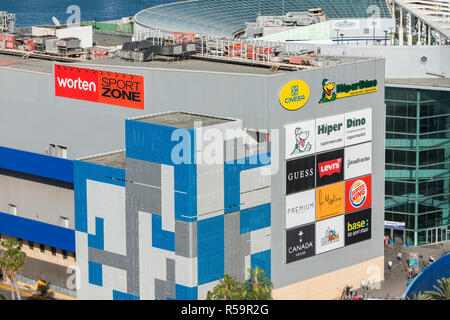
399	256
363	284
347	291
356	297
390	265
352	292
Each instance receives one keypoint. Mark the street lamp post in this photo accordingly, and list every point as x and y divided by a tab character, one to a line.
385	37
337	36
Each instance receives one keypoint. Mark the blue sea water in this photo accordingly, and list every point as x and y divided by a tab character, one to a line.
35	12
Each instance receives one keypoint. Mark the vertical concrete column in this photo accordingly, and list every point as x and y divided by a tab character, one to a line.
419	34
400	28
409	29
429	35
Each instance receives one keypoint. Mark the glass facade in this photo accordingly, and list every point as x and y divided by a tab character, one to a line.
418	164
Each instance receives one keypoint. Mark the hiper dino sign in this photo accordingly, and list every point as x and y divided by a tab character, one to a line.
118	89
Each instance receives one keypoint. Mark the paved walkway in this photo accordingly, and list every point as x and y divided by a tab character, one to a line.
395	281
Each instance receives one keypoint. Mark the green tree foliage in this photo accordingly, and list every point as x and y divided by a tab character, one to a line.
11	262
419	296
227	289
257	287
441	292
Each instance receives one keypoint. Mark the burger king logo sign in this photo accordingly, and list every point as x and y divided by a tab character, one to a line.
358	193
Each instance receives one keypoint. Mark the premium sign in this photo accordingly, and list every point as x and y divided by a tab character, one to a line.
358	127
329	201
358	226
330	168
332	91
100	86
358	161
294	95
358	193
329	234
300	243
300	139
300	174
330	133
300	208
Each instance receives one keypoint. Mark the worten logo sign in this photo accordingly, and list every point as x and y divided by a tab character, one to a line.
100	86
358	160
332	91
358	127
330	133
358	193
330	167
329	201
300	208
330	234
358	226
294	95
300	243
300	139
300	174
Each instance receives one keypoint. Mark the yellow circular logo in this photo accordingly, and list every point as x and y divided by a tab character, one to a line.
294	95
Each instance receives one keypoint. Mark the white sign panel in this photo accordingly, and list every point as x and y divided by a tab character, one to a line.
358	161
394	224
300	208
300	139
330	234
358	127
330	133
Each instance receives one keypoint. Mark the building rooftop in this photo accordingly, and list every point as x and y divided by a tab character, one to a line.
224	17
425	83
115	159
183	120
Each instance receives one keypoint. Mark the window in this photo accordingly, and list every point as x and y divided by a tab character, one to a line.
53	251
64	222
42	248
64	252
12	209
31	245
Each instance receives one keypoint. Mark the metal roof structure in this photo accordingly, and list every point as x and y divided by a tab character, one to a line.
435	13
224	17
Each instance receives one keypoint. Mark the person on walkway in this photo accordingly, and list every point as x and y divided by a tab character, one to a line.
363	284
347	291
352	292
356	297
390	265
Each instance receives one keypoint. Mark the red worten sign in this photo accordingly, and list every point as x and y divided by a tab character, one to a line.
118	89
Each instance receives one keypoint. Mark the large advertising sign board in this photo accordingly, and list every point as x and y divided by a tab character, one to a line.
358	193
300	243
329	234
300	208
294	95
118	89
358	127
300	174
329	201
358	161
358	226
330	167
300	139
330	133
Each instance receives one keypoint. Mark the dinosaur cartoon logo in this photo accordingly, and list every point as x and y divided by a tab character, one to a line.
301	145
328	94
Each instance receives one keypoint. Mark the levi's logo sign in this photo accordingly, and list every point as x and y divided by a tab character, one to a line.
330	167
100	86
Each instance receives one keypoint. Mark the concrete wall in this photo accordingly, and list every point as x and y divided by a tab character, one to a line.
37	200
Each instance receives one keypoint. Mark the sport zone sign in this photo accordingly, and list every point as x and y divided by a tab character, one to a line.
118	89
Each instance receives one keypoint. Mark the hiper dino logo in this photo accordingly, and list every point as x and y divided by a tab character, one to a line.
327	93
300	139
294	95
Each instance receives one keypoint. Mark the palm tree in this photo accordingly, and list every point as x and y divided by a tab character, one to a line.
258	286
227	289
419	296
11	261
442	292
